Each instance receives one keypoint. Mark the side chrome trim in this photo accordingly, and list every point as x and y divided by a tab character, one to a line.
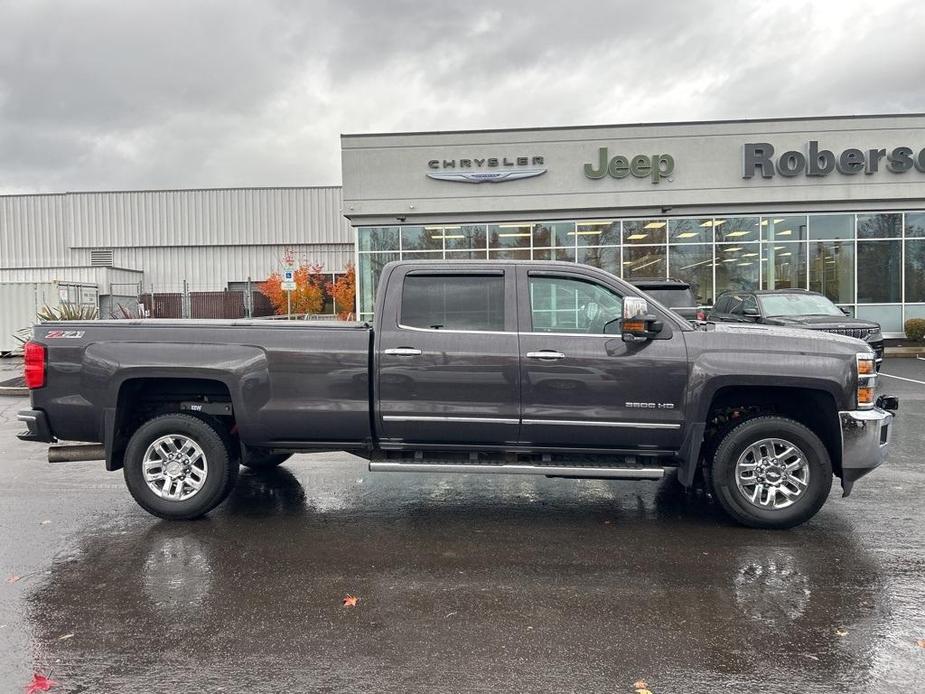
461	420
585	423
655	473
457	332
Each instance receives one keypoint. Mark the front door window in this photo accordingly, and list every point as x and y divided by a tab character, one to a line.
566	305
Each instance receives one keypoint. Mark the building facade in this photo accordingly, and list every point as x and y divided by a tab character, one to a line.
171	244
835	205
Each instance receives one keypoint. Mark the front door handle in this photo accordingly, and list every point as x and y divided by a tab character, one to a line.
545	354
402	351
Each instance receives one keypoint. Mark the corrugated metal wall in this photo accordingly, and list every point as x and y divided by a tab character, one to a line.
213	267
208	217
109	280
34	230
206	237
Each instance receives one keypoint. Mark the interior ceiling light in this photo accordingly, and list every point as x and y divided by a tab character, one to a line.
785	232
655	225
586	232
732	248
736	234
512	234
636	237
687	234
729	260
743	264
525	225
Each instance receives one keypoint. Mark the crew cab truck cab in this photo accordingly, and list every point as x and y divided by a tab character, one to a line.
522	367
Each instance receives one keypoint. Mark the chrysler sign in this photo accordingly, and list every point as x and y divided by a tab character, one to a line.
486	169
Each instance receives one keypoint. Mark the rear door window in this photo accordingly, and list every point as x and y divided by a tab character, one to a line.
453	302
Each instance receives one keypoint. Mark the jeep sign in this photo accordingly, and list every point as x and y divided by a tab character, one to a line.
758	157
656	166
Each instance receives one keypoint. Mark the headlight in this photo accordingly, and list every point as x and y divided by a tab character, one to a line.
867	380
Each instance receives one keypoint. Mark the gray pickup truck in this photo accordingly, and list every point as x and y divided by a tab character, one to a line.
553	369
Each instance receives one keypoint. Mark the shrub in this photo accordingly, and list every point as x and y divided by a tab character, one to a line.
308	295
344	291
915	328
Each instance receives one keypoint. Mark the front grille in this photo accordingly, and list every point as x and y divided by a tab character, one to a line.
851	332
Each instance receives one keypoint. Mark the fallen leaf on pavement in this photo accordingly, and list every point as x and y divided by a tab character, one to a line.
640	684
351	600
39	683
841	632
643	691
920	643
65	637
13	578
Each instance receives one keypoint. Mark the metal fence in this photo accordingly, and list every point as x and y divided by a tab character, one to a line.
239	300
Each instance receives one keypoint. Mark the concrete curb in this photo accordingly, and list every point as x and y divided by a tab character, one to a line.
903	351
14	390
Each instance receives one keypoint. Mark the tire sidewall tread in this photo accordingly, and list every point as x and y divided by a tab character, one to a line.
731	447
222	467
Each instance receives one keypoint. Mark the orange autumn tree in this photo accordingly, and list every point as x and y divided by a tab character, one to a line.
308	295
344	291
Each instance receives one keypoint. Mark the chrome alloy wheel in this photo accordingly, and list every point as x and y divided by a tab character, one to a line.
772	473
175	467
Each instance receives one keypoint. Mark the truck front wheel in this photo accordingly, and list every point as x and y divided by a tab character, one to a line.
178	467
771	472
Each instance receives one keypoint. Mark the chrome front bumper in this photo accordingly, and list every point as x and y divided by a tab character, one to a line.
865	438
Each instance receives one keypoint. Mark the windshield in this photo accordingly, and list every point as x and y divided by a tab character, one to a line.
798	305
672	298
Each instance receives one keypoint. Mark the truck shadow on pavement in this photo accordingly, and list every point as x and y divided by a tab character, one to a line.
518	584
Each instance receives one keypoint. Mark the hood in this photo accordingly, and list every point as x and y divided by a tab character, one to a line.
821	322
788	338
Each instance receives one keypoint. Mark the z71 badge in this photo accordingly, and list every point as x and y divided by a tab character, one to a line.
651	405
57	334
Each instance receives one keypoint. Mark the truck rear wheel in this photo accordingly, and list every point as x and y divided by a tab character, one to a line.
262	461
771	472
178	467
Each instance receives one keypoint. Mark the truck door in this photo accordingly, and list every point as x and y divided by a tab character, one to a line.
584	388
447	357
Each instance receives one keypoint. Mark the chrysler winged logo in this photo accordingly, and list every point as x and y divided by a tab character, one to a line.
485	176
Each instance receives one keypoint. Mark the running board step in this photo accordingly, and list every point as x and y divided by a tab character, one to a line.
616	473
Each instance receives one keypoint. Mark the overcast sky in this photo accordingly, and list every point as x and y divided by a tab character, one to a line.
117	94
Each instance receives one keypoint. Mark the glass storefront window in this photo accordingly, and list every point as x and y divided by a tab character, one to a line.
510	236
377	238
605	258
735	229
690	230
784	266
644	231
915	270
510	254
463	236
370	270
466	255
879	226
560	254
831	226
890	318
553	234
645	261
879	271
783	228
737	266
915	224
831	269
600	233
416	238
693	264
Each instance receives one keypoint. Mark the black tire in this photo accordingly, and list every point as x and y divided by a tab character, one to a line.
262	461
735	502
221	467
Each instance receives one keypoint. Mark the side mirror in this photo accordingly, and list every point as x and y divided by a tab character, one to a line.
751	313
844	310
638	324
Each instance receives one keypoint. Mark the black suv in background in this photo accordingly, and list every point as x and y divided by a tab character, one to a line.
673	294
795	308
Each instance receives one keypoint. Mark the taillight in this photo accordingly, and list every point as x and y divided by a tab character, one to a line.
34	363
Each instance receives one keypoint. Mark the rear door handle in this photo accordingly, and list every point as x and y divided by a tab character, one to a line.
545	354
402	351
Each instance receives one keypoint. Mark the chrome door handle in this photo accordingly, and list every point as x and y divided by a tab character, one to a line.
545	354
402	351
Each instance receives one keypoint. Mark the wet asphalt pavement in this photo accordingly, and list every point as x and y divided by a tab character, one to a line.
465	583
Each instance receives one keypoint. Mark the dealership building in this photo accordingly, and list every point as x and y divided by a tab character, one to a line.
836	205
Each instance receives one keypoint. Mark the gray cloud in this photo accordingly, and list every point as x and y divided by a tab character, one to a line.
110	95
